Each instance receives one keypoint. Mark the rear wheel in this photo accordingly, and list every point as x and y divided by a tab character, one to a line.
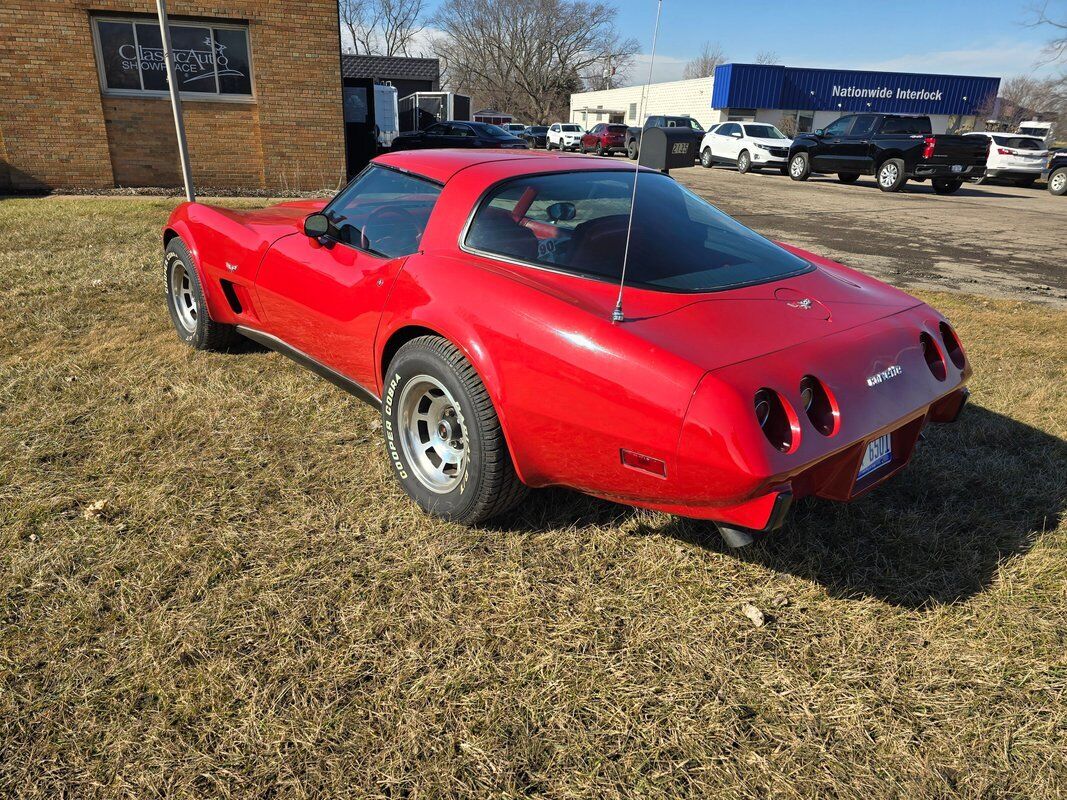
186	303
1057	182
443	435
799	167
744	162
891	175
946	185
848	177
631	150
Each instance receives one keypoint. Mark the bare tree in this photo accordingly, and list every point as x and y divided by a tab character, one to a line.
1055	51
711	55
528	56
766	57
359	19
382	27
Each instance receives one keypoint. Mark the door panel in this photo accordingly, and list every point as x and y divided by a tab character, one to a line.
326	301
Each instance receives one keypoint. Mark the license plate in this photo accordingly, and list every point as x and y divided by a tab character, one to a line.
957	167
879	453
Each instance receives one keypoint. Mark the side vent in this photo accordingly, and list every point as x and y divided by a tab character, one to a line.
231	296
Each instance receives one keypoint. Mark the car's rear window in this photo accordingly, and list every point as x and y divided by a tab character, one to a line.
576	222
616	129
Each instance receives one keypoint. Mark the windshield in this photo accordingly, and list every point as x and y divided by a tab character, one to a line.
576	222
683	122
764	132
570	127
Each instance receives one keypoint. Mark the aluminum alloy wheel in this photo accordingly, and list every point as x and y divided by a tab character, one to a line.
183	296
796	167
705	158
433	434
1058	182
888	175
742	162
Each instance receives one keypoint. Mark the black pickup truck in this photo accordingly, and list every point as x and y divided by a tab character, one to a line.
892	147
1057	172
633	135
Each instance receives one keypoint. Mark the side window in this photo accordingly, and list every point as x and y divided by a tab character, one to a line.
439	129
729	129
384	212
906	125
838	127
459	130
864	125
555	128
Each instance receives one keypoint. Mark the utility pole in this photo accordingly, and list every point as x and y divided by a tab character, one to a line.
175	100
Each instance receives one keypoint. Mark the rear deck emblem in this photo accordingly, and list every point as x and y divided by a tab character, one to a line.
885	375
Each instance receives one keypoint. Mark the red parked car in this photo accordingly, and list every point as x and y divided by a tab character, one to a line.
470	295
604	139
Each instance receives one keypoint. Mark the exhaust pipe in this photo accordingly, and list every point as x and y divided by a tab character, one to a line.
735	537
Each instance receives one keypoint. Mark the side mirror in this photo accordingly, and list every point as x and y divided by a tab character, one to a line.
318	226
736	134
561	212
820	132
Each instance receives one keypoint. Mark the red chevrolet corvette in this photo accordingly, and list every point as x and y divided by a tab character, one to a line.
469	294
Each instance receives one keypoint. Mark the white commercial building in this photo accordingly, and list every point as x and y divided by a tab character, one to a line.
805	99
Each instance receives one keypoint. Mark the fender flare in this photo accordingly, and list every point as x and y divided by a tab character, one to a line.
180	228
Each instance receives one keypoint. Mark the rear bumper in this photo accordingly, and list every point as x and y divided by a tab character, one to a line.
1016	172
946	171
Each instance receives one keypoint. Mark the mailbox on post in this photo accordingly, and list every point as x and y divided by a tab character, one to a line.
668	148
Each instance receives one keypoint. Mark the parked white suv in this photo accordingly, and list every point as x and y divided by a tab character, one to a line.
747	145
564	136
1019	159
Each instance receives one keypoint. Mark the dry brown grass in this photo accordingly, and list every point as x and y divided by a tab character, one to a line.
258	611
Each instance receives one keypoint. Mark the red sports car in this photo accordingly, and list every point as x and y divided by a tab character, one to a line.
469	294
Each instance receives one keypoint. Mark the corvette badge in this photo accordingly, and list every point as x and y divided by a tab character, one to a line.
884	375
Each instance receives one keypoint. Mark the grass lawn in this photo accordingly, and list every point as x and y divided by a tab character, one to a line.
258	611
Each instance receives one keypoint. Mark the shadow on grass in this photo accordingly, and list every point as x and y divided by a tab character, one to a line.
975	493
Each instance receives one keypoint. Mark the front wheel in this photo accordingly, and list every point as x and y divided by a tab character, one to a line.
1057	182
186	303
744	162
548	145
848	177
706	160
799	167
443	436
946	185
891	175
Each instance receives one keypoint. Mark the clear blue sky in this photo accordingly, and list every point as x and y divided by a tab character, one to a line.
965	37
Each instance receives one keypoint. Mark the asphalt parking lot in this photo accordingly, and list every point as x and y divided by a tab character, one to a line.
993	240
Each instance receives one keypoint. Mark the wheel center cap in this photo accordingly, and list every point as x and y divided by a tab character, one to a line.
444	430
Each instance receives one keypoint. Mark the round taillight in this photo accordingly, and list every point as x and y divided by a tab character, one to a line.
953	346
932	353
777	420
820	405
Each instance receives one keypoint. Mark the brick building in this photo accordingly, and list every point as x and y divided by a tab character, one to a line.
84	102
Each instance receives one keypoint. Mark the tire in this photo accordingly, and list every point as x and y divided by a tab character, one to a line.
706	161
186	303
744	162
1027	182
890	175
946	185
599	149
548	145
1057	182
632	150
430	374
799	167
848	177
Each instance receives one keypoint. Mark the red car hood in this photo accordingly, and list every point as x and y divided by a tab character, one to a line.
718	329
277	220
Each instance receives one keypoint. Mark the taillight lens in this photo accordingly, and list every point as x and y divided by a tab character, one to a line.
934	360
820	405
1005	151
777	420
953	346
929	143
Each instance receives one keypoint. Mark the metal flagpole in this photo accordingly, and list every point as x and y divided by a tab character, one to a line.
175	100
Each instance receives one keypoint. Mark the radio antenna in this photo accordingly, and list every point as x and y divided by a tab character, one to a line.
617	315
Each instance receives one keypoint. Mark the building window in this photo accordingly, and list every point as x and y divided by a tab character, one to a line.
211	59
633	111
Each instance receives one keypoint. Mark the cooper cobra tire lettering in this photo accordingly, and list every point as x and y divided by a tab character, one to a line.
390	435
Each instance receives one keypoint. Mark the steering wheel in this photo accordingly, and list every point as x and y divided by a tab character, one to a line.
395	221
